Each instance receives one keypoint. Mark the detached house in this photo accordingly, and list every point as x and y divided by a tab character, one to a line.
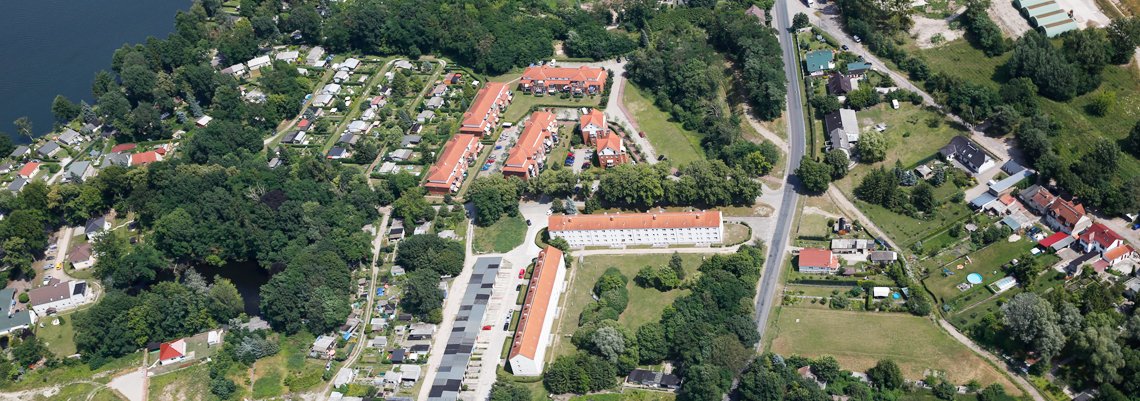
818	261
70	138
967	154
49	149
528	155
172	352
1067	217
839	84
611	150
819	61
1037	198
1099	238
29	170
842	128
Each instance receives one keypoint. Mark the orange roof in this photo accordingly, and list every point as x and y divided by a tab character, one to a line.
1068	212
171	350
145	158
563	75
444	172
1117	252
529	143
483	106
1006	199
815	257
595	117
29	169
1042	198
634	221
542	281
123	147
612	141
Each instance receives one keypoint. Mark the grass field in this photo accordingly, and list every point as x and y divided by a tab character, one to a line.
987	262
911	138
629	395
521	104
191	383
645	304
667	137
858	340
269	373
504	235
59	338
959	59
736	233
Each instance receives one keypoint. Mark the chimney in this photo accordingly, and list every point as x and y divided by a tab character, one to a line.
654	217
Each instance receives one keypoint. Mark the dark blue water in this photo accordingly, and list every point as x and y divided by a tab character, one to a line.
54	47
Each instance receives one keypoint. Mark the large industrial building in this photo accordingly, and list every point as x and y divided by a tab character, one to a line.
537	319
656	229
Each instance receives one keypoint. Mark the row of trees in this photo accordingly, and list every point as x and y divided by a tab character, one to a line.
700	183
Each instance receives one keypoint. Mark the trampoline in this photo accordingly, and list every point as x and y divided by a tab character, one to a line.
974	278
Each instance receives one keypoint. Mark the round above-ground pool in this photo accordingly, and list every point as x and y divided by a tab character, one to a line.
895	295
974	278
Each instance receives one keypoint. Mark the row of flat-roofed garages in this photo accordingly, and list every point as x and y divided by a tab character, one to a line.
1047	16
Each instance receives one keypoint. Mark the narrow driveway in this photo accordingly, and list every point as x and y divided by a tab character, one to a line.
1021	382
767	294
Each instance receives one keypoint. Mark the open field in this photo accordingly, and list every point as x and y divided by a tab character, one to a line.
913	133
645	304
504	235
521	104
959	59
667	137
270	373
192	383
858	340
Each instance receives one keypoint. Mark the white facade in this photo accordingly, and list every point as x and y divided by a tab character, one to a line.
64	301
520	364
626	234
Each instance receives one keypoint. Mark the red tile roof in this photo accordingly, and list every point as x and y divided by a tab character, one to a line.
814	257
446	170
634	221
612	142
530	143
29	169
171	350
542	281
143	158
1067	212
484	110
1053	239
594	117
1042	198
564	76
1100	234
123	147
304	123
1117	252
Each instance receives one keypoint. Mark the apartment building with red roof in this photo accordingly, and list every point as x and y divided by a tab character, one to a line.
483	115
622	229
536	321
608	145
527	157
550	79
449	170
611	151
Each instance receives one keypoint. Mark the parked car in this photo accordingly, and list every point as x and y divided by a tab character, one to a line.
641	134
528	222
522	273
844	47
857	40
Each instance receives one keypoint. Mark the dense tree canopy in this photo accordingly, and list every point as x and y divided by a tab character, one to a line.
429	251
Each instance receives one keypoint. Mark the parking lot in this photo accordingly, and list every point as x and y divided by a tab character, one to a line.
498	156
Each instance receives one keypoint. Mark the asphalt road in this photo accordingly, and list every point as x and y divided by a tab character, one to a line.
767	294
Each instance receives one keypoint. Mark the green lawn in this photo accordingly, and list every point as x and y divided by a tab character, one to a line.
645	306
667	137
59	338
191	383
910	137
987	262
813	225
736	233
629	395
959	59
268	386
504	235
858	340
521	104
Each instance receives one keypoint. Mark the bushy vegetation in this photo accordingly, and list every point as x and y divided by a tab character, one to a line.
700	183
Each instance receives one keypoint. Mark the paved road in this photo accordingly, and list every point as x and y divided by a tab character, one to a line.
767	294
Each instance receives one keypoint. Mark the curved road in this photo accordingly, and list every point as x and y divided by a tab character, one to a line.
767	294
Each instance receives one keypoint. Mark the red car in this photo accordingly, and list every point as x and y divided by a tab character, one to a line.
522	272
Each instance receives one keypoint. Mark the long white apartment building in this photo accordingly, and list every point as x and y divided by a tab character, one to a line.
536	323
623	229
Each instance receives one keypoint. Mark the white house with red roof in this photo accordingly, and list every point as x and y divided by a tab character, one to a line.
533	335
818	261
172	352
551	79
1067	216
592	125
29	170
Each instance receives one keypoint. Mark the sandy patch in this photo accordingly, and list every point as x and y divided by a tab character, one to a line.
1085	12
558	50
926	30
821	212
1006	16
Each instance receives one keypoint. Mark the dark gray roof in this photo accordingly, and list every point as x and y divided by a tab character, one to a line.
118	159
411	140
9	319
964	151
19	151
461	341
839	84
17	184
337	151
95	224
48	148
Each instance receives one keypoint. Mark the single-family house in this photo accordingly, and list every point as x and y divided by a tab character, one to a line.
341	76
434	103
439	90
49	149
858	68
6	167
29	170
410	140
316	57
1067	216
1099	238
883	256
144	158
350	65
19	152
403	65
288	57
96	225
57	296
378	101
422	331
818	261
839	84
415	129
12	317
70	138
400	155
322	100
337	153
348	139
81	257
651	379
79	171
398	355
294	137
323	347
17	185
357	126
172	352
118	159
258	62
331	89
1037	198
842	129
425	116
237	70
344	376
819	61
368	114
967	154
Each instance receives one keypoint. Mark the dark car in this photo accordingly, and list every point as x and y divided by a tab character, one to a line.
845	47
527	222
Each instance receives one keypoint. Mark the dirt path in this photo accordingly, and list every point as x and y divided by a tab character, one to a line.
849	208
764	131
1018	379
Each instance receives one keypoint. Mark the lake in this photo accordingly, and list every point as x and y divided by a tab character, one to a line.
54	47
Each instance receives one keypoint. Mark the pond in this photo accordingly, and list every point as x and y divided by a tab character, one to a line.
248	277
